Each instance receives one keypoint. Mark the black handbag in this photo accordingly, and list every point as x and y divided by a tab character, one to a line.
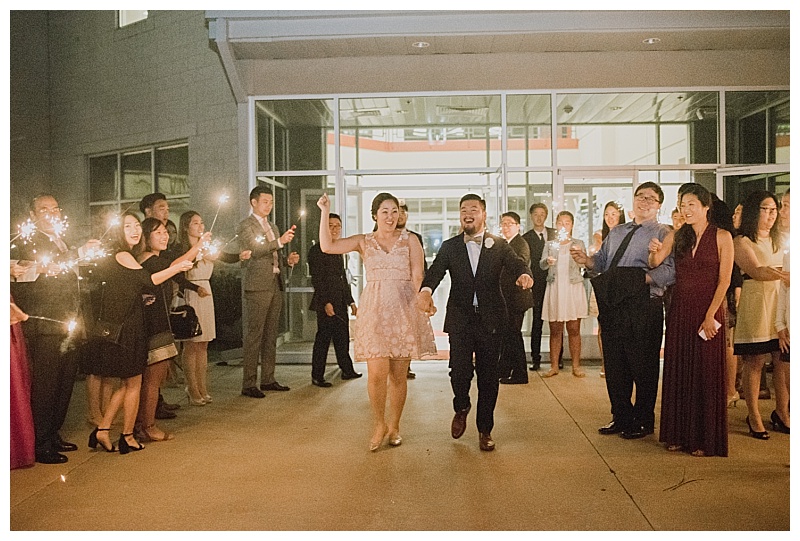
184	322
109	331
606	283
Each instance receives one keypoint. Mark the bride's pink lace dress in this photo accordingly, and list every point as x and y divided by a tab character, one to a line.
389	323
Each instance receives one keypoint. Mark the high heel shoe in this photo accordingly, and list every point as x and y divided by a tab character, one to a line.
125	447
733	399
93	441
395	440
777	424
757	435
208	399
192	401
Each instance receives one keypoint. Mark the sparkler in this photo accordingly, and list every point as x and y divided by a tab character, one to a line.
60	225
114	221
222	200
71	325
25	230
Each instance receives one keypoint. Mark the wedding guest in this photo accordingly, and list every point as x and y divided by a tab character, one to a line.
390	330
476	312
401	224
332	297
758	252
780	376
633	329
22	440
513	369
49	289
565	302
122	285
694	417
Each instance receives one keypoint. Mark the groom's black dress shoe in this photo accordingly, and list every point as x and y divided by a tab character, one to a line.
636	432
513	381
62	446
459	423
611	428
50	457
274	386
354	375
321	383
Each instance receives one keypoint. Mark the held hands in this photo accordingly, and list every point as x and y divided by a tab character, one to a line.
551	260
17	314
710	327
783	340
185	265
202	292
655	245
245	254
354	309
425	303
324	203
525	281
329	311
92	244
287	237
293	258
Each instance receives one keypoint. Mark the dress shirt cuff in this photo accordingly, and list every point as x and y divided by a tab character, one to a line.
429	290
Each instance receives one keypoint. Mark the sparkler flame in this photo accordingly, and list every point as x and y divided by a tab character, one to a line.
562	235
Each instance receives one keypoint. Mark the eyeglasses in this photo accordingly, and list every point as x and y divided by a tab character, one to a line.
647	198
769	210
53	210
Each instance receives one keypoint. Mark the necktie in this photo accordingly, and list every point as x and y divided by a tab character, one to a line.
478	239
541	237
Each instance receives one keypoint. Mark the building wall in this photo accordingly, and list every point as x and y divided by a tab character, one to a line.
114	88
523	71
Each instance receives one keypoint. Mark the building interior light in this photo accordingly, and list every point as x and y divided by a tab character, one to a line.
420	44
651	41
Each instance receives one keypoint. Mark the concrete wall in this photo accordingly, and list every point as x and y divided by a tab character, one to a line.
111	89
523	71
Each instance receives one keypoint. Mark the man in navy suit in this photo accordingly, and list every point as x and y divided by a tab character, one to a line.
476	312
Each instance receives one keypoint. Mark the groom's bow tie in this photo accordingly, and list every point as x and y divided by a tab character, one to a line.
478	239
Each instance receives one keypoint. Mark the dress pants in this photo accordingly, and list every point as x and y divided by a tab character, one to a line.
631	349
52	380
335	328
512	358
486	348
536	325
260	315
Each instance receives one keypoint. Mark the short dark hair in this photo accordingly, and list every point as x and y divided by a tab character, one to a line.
652	186
334	215
37	197
149	200
511	214
148	226
473	197
256	192
751	213
539	206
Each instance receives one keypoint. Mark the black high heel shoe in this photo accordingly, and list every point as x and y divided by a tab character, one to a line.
777	423
93	441
757	435
125	447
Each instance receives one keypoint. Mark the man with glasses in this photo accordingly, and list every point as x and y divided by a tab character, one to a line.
632	328
48	290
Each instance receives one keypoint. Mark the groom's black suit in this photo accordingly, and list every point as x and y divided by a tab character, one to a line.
475	329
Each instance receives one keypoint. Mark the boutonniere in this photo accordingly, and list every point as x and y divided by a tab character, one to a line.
489	242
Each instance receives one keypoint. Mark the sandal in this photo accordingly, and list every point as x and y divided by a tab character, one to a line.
674	448
698	452
149	436
550	374
578	373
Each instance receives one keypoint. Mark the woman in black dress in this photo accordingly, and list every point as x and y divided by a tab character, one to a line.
122	283
154	259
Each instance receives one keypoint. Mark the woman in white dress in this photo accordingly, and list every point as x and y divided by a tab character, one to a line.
195	350
565	300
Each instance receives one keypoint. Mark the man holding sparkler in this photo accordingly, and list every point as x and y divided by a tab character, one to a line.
50	290
261	292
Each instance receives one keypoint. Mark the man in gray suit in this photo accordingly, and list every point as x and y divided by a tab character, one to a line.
261	292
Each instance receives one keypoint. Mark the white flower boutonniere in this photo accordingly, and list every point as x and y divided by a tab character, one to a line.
489	242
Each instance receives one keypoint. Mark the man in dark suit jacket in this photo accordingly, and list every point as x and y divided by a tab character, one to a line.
262	286
476	312
331	298
536	239
513	369
48	289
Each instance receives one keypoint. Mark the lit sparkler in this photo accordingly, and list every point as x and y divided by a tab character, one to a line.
71	325
25	230
114	221
222	200
60	225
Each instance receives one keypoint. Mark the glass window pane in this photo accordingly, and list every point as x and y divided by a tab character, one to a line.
417	132
103	178
137	175
102	218
757	127
302	131
637	128
130	16
172	170
586	198
538	188
529	136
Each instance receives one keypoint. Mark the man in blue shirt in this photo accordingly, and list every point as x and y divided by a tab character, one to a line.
632	330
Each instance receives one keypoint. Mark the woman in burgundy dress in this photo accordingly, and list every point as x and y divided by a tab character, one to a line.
694	415
20	429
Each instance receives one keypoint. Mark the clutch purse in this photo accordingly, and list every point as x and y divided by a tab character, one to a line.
184	322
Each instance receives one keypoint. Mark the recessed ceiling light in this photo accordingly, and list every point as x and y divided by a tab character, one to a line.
651	41
420	44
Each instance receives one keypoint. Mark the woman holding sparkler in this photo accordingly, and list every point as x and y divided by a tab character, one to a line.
565	297
195	350
122	283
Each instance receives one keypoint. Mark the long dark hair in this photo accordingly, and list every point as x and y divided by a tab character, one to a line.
685	237
117	237
148	226
751	213
379	199
720	215
619	208
183	229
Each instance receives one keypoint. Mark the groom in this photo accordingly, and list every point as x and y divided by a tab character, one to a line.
476	312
